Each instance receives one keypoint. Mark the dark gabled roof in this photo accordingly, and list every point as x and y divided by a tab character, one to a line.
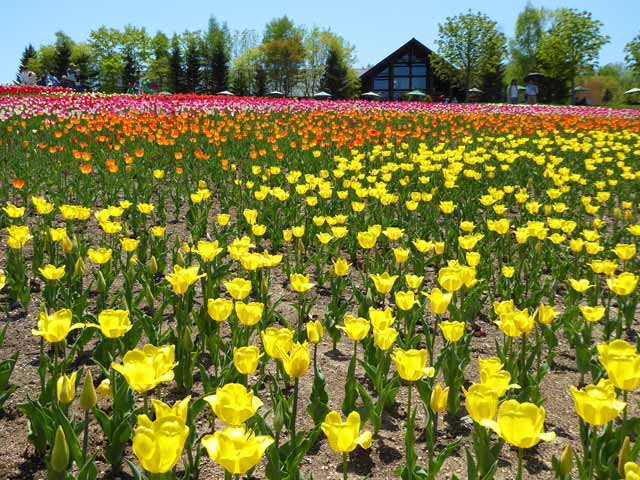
381	64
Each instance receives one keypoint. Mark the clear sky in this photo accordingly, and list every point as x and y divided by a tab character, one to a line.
375	27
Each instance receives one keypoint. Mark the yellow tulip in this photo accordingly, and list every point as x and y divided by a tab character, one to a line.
208	251
492	375
401	255
223	219
481	402
3	279
344	437
246	359
113	323
182	278
145	208
521	424
423	246
219	309
100	256
393	233
18	236
104	388
276	341
580	285
452	331
622	363
624	284
597	404
439	397
439	301
249	313
314	331
129	244
405	300
447	207
236	449
413	281
367	240
66	388
158	445
55	328
412	364
238	288
625	251
300	283
631	471
473	258
145	369
508	271
385	338
592	314
383	282
341	267
52	273
12	211
450	278
234	404
296	361
381	319
298	231
356	328
180	409
546	314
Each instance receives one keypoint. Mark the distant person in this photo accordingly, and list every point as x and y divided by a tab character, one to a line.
512	92
53	80
455	100
532	93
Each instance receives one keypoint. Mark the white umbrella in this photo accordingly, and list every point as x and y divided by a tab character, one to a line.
370	95
580	88
416	93
475	90
226	93
633	90
322	95
275	94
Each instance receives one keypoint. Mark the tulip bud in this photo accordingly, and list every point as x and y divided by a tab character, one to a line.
153	265
625	455
149	296
60	452
88	396
102	284
67	245
79	268
566	461
439	397
187	342
179	259
278	418
104	389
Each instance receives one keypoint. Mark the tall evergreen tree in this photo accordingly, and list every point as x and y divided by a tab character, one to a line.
193	62
334	80
492	86
260	81
216	53
64	49
28	54
176	67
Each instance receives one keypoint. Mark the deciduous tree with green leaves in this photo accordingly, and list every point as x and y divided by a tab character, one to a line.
632	54
571	45
469	46
531	25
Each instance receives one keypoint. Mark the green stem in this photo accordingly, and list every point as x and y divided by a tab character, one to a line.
520	454
345	466
146	403
85	437
294	410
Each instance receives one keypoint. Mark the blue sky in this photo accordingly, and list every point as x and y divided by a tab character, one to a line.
376	28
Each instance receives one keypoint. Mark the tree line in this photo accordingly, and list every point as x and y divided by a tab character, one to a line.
286	57
472	52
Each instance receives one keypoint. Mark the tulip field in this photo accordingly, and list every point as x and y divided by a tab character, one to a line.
198	287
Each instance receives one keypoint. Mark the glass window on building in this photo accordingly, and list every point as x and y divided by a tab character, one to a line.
400	70
381	83
419	69
401	83
419	83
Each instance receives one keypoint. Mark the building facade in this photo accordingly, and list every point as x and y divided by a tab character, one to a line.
406	69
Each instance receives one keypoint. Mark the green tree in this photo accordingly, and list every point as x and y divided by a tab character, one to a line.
109	62
159	66
242	73
176	67
216	53
632	57
571	46
284	54
469	46
83	60
29	54
135	49
64	48
46	60
193	61
530	27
